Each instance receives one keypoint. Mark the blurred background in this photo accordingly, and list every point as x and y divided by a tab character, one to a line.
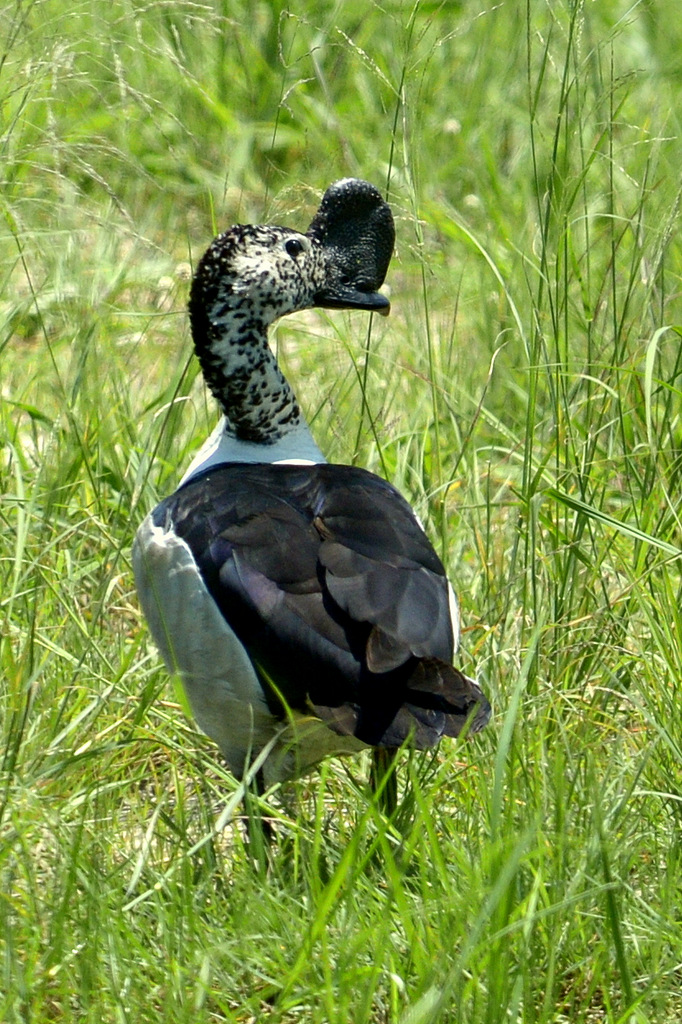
525	396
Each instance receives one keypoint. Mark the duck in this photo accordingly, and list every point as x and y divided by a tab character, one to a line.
300	602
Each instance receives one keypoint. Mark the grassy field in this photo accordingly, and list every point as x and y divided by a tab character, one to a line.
524	394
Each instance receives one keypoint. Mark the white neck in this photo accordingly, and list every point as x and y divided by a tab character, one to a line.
296	446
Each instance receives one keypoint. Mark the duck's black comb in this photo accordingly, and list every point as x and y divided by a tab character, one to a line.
356	223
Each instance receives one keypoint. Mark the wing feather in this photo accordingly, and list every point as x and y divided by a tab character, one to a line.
331	585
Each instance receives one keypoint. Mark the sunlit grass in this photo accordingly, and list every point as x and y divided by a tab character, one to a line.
524	394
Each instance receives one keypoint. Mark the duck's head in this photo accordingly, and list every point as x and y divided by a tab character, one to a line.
264	271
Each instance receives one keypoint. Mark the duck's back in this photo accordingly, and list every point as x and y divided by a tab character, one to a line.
326	581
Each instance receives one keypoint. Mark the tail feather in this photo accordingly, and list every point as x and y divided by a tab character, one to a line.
434	700
437	686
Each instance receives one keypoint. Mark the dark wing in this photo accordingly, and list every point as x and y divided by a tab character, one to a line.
382	570
331	585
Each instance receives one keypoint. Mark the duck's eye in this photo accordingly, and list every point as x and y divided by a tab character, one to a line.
294	246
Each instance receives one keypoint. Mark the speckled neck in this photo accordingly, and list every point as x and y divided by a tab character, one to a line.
252	274
243	375
233	301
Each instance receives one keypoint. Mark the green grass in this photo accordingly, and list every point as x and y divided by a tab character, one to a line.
525	395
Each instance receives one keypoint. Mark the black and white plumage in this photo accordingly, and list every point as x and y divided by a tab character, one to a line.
301	603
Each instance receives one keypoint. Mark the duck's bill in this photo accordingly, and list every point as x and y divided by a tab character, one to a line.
354	228
351	298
